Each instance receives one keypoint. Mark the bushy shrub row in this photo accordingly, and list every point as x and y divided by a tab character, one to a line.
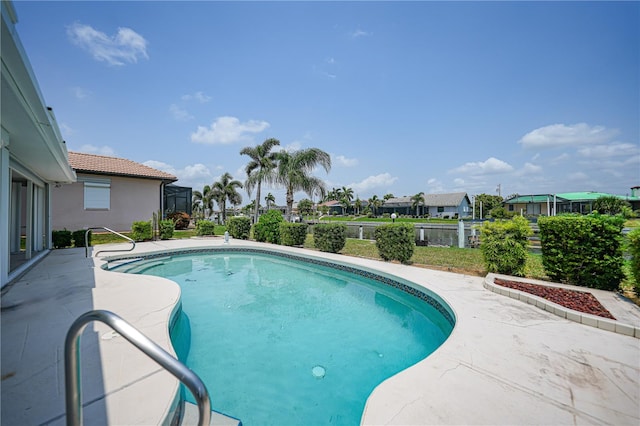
267	230
180	219
239	227
634	250
395	241
205	227
64	238
293	234
142	230
329	237
166	229
504	245
583	250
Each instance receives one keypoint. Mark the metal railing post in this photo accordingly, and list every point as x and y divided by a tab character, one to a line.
72	382
86	240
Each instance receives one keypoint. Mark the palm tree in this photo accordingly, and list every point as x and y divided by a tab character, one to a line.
294	173
225	189
203	199
269	199
417	200
345	197
357	205
375	203
262	162
387	196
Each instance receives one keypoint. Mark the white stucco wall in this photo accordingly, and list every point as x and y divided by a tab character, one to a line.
132	200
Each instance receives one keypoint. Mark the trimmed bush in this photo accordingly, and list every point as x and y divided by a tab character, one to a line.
239	227
61	239
268	227
205	227
180	219
504	245
166	229
293	234
141	230
395	241
583	250
329	237
78	237
634	249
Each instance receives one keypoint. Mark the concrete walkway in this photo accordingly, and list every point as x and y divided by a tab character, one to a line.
506	362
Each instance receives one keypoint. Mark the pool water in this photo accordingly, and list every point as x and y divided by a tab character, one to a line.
284	342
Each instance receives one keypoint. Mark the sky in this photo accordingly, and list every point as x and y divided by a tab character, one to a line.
406	97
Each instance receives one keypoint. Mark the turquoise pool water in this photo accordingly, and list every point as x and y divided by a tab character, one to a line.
283	342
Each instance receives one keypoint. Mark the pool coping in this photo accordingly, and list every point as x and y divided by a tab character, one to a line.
508	362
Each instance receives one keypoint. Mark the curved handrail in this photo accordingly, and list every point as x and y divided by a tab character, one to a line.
72	380
86	240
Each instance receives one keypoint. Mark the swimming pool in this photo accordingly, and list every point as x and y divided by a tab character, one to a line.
282	339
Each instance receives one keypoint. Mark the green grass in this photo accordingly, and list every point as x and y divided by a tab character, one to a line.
109	238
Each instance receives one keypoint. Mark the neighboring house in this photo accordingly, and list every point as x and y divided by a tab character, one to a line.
110	192
33	158
565	202
450	205
332	207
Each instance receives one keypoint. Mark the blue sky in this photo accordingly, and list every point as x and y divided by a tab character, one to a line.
537	97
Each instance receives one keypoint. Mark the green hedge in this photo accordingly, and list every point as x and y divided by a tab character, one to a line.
293	234
395	241
634	249
141	230
78	237
583	250
239	227
61	239
166	229
505	245
329	237
268	227
205	227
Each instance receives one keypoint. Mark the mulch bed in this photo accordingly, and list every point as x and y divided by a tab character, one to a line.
580	301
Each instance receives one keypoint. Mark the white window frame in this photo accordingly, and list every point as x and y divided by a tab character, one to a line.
97	194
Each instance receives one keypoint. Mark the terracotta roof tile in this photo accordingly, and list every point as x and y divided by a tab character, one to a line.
101	164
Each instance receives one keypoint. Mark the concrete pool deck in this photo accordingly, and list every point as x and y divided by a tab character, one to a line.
506	362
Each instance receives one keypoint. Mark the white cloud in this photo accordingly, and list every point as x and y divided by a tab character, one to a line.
100	150
195	176
560	158
180	113
80	93
529	169
292	147
491	166
560	135
228	130
344	161
383	180
66	130
610	150
435	186
458	181
198	96
361	33
577	176
125	46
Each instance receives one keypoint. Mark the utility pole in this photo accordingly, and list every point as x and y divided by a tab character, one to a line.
498	189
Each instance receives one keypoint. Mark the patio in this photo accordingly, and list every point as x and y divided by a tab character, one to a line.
506	362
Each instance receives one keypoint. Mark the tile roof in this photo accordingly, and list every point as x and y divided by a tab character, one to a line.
103	165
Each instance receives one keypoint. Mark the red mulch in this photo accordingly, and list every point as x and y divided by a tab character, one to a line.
580	301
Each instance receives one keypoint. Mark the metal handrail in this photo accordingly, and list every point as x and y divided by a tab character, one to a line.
72	380
86	240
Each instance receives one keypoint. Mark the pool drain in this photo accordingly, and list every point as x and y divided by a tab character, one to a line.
318	371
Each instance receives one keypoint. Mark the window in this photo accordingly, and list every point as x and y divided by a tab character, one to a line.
511	206
97	194
440	209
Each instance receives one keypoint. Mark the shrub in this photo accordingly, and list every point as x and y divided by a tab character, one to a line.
293	234
166	229
141	230
61	239
329	237
504	245
634	249
239	227
395	241
205	227
180	219
583	250
78	237
268	227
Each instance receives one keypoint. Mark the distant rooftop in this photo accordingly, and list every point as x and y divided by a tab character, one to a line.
100	164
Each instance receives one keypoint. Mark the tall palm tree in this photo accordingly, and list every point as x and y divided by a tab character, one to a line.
294	173
346	195
375	203
357	205
262	162
269	199
225	189
417	200
203	199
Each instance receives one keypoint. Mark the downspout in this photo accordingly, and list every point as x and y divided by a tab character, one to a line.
162	200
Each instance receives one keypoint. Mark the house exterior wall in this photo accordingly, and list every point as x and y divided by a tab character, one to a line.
131	199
